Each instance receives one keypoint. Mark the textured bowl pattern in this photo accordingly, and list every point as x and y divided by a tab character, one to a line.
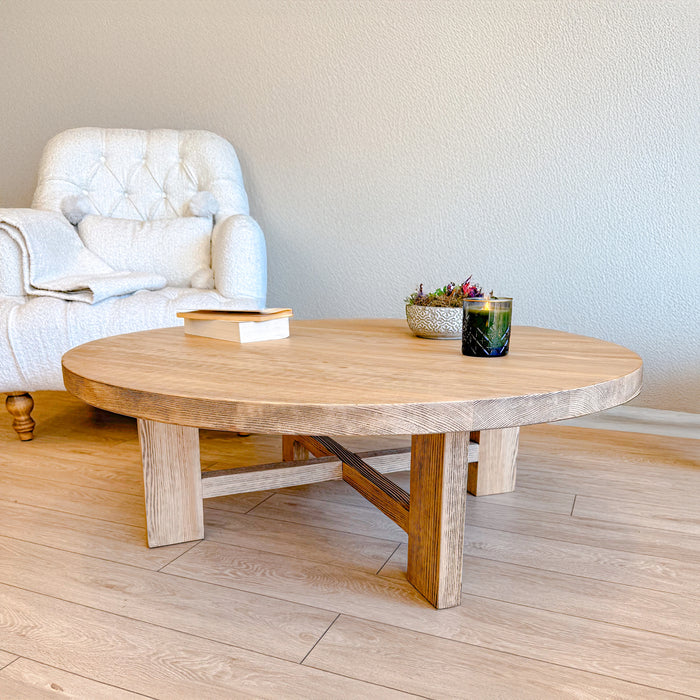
439	322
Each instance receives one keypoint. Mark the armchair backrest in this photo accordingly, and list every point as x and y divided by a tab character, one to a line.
134	174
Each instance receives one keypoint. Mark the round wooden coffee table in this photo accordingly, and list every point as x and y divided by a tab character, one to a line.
347	377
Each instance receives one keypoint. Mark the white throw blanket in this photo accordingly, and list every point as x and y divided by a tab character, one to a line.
56	263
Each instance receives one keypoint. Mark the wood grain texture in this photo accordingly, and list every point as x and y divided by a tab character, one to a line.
647	513
564	460
550	549
531	499
540	499
276	627
520	620
626	482
436	516
582	596
19	405
661	558
154	661
381	492
552	554
318	544
645	557
76	469
223	482
371	384
313	445
628	654
115	541
494	471
292	449
73	498
343	517
6	658
439	668
172	483
374	490
283	474
30	680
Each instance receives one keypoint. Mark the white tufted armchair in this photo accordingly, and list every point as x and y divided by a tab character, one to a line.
125	174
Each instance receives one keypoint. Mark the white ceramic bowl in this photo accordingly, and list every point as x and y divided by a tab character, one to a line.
439	322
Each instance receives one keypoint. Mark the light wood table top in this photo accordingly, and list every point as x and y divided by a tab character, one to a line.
344	377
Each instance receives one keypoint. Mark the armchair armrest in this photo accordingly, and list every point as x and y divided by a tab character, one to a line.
11	278
239	260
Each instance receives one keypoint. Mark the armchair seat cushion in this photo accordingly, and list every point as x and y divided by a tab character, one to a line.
36	331
174	248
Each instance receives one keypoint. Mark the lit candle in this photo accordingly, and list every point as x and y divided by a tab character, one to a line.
486	326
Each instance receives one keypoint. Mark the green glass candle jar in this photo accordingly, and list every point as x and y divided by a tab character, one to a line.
486	326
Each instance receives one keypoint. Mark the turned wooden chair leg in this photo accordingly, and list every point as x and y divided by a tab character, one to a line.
20	405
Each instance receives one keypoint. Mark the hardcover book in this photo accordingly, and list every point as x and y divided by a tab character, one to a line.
238	326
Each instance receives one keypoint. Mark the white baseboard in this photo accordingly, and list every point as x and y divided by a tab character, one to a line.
636	419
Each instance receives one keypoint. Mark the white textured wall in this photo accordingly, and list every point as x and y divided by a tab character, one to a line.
549	147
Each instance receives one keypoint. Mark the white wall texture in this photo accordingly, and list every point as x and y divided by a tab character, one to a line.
549	147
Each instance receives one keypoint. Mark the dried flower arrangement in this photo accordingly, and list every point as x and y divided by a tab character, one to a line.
449	295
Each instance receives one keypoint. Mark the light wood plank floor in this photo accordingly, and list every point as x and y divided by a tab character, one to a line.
584	582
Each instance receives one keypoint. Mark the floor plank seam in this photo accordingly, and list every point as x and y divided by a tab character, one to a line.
603	497
588	578
242	590
603	519
53	482
519	656
249	509
83	554
189	549
164	627
591	578
79	675
74	514
312	526
589	619
476	556
643	527
9	663
288	556
335	501
548	539
165	573
319	639
387	560
372	684
580	617
584	544
582	490
343	675
470	595
331	529
225	587
16	469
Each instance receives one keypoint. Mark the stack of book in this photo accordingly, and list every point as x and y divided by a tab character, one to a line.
238	326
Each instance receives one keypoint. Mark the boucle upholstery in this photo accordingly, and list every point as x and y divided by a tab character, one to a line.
174	248
138	175
131	174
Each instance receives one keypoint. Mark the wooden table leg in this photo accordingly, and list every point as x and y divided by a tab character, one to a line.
293	450
439	465
172	483
495	470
